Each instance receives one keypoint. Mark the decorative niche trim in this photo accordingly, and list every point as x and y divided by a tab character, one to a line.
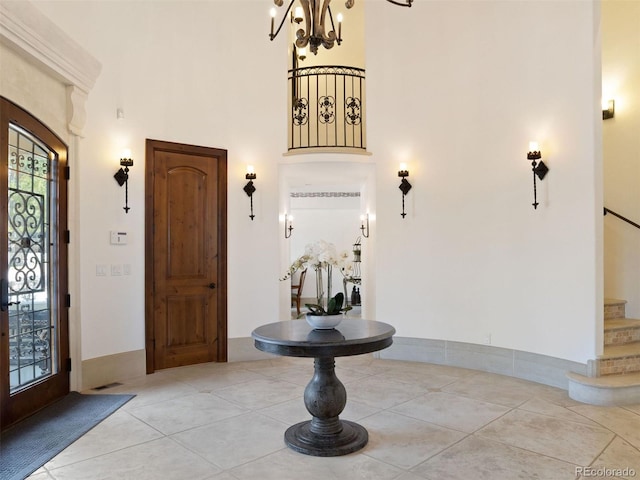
324	194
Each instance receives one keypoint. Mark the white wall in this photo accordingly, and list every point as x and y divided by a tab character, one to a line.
456	89
620	81
181	71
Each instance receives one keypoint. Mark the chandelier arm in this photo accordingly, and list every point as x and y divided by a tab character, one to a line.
302	40
333	27
284	17
309	17
329	38
303	35
406	4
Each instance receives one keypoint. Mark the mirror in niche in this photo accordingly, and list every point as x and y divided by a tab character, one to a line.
329	213
326	199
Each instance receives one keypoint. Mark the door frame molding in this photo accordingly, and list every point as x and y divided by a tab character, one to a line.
221	290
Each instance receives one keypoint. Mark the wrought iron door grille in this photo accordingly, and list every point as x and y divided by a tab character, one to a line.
327	107
32	315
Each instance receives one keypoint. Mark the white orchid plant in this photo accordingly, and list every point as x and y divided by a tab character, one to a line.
322	256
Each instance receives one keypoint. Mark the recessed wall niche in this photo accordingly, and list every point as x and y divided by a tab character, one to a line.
326	200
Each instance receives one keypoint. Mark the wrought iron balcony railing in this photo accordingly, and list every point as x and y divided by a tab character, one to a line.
327	107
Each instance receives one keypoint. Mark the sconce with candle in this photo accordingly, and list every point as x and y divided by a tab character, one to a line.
249	188
365	230
608	109
405	186
122	176
288	227
539	169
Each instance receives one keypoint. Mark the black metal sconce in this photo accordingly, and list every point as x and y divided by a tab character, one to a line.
539	169
405	186
365	230
608	109
122	177
287	225
249	189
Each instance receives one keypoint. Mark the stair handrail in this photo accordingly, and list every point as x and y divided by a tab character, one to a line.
625	219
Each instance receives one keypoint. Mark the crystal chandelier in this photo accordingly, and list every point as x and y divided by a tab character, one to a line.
313	13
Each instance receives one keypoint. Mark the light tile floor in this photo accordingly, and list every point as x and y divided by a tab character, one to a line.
226	422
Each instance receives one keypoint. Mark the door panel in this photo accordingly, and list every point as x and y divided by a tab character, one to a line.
187	218
186	255
34	342
186	320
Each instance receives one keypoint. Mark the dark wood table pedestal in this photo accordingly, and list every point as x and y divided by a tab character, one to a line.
325	435
325	397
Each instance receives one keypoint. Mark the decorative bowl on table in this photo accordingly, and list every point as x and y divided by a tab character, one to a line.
324	322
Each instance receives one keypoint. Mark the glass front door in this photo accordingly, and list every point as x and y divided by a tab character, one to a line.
32	316
34	342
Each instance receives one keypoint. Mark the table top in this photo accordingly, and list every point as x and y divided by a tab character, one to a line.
296	338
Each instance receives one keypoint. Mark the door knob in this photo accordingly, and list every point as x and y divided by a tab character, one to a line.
212	285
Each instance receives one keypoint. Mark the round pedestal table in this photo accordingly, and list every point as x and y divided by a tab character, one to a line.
325	397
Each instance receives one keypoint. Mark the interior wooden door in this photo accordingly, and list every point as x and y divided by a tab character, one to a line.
34	324
185	255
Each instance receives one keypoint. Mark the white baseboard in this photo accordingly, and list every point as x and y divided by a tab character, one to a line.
528	366
100	371
514	363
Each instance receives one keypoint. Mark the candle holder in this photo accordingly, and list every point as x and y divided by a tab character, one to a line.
287	225
404	187
122	177
539	169
250	189
363	228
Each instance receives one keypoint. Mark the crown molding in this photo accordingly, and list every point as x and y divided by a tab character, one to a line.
26	29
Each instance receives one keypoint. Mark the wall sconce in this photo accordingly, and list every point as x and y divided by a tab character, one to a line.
365	230
405	186
249	189
608	109
122	176
539	169
288	220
